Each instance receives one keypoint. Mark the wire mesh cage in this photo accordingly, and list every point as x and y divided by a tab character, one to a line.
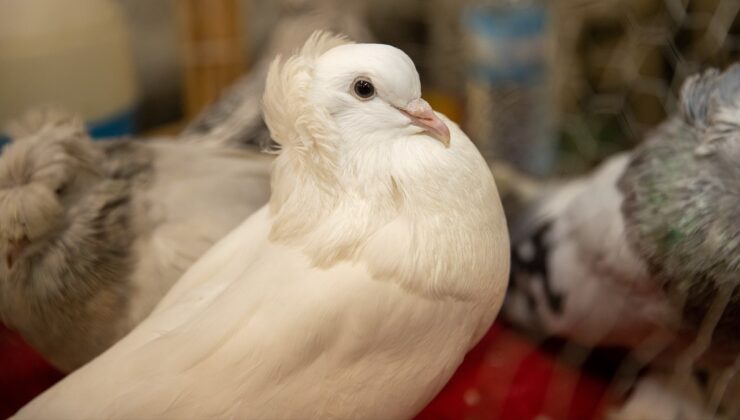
607	73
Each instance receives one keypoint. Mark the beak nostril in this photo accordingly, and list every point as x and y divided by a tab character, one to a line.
423	116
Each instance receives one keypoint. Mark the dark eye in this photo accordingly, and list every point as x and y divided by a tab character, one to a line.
363	89
60	189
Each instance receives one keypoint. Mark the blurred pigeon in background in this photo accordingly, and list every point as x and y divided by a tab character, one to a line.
93	234
645	252
363	290
574	273
235	119
643	249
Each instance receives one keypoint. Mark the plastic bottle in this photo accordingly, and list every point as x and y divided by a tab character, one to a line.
508	92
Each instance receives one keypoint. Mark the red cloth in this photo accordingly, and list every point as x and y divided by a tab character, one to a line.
504	377
23	373
507	377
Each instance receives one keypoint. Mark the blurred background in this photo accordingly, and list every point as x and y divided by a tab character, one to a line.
584	78
551	87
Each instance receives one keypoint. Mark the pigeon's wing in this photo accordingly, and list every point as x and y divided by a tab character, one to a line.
573	272
193	197
266	335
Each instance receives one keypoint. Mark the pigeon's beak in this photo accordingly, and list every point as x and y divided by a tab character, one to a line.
422	115
15	249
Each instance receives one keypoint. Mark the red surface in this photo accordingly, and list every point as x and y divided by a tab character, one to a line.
504	377
23	373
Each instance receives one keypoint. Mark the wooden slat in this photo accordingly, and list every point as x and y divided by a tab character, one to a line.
212	47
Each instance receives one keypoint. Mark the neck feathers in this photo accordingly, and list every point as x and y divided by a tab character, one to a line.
404	218
399	210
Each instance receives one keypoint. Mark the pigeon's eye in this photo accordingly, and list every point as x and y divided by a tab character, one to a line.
60	189
363	89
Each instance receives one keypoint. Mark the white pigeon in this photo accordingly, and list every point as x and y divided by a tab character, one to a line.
381	259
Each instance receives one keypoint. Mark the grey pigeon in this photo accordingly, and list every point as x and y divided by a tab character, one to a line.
94	233
645	252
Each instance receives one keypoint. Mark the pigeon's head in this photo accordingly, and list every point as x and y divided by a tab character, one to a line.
681	194
48	164
345	95
351	116
373	91
710	104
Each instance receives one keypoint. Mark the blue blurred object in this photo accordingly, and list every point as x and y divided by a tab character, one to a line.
119	125
510	23
506	44
509	115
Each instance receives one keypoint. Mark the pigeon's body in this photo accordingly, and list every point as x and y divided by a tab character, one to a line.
370	278
298	342
575	274
128	223
642	251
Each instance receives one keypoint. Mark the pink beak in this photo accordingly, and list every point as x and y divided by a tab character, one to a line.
422	115
15	249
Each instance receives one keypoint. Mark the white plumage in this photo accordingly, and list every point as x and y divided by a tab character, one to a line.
380	261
